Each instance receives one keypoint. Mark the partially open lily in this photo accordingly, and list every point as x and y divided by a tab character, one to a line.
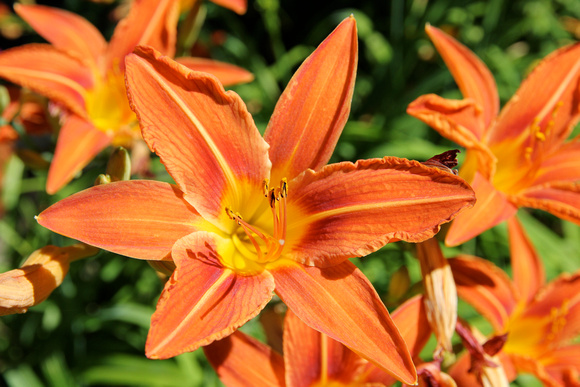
518	158
311	359
251	215
540	320
83	74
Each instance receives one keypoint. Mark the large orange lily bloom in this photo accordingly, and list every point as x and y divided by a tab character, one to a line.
84	75
310	358
540	320
518	158
250	215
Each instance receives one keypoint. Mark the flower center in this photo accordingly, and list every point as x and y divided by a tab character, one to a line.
253	242
108	109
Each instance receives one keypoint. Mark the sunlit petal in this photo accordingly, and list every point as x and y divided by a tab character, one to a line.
471	74
492	208
240	361
78	143
527	268
561	361
555	109
313	109
141	219
334	217
74	33
205	136
486	287
227	74
563	165
150	22
49	72
525	364
340	302
203	301
559	303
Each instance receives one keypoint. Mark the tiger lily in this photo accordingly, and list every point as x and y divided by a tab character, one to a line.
310	358
83	74
540	319
518	157
250	215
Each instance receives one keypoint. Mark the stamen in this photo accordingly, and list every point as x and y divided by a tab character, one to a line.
273	244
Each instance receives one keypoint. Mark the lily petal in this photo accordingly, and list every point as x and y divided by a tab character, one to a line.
559	198
140	219
411	319
561	361
78	143
150	22
340	302
532	366
203	301
74	33
456	120
562	165
228	74
240	361
486	287
492	208
312	111
527	268
560	301
311	356
472	76
548	99
334	217
205	136
238	6
50	72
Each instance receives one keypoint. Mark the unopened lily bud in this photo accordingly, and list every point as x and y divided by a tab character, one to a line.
119	165
440	293
430	375
40	274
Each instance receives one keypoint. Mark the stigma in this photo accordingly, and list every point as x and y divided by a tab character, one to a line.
268	246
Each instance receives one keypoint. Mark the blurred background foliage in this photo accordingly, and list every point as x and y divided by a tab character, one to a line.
92	330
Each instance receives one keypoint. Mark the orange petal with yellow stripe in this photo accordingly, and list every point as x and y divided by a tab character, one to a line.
140	218
312	111
332	216
205	136
203	301
340	302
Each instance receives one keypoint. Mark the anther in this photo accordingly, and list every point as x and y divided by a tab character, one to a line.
272	198
284	187
265	184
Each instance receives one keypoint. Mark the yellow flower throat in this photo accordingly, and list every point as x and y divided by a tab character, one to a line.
253	242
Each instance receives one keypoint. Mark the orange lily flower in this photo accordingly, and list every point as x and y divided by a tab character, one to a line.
84	74
540	320
518	158
234	237
238	6
310	358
